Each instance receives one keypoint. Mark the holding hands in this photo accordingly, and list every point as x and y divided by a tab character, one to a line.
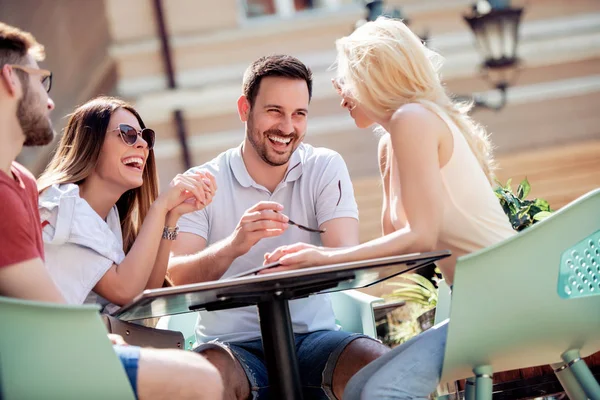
187	193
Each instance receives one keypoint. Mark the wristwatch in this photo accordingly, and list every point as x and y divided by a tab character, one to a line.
170	233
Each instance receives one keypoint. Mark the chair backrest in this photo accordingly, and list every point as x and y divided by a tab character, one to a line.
50	351
354	311
506	310
184	323
442	310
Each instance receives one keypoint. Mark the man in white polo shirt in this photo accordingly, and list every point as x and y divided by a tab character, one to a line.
271	176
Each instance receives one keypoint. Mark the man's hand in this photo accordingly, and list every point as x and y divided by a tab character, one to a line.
258	222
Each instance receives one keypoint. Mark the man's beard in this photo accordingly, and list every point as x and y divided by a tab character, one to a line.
254	136
36	126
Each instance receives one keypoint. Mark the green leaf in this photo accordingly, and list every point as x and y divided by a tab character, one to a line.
523	189
432	300
409	296
511	202
421	281
524	211
542	204
505	208
416	291
508	185
520	221
542	215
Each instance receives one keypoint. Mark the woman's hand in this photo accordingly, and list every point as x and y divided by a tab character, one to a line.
187	193
296	256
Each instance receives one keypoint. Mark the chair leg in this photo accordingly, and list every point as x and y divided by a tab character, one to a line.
582	373
568	381
470	389
483	382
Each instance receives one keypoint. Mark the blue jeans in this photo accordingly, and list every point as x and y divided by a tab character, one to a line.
317	354
130	358
410	371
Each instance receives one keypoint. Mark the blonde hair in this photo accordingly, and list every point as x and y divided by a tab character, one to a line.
383	66
77	155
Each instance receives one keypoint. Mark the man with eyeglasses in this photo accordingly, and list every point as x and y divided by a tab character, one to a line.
274	190
25	121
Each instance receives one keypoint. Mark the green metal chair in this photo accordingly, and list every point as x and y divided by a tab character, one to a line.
353	311
533	299
442	310
184	323
50	351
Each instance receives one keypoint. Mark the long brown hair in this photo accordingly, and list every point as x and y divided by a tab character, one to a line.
77	156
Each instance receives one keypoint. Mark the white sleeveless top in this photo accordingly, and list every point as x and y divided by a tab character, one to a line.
472	215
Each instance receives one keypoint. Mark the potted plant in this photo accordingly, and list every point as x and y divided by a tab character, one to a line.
422	292
521	212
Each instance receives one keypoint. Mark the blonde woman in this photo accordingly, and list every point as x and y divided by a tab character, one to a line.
436	166
107	233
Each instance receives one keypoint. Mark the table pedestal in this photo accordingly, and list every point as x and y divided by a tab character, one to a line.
280	349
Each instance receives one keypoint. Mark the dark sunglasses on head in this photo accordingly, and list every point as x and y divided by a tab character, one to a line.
130	135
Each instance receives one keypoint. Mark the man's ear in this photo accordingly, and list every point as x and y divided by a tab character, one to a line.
10	81
243	106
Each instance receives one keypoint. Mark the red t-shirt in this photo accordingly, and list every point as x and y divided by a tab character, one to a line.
20	229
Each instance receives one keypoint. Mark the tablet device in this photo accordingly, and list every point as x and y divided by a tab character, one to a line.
254	271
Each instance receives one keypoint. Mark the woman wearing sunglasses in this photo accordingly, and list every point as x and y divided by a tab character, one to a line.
107	233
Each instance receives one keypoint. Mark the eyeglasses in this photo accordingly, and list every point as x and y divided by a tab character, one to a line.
305	228
130	136
46	75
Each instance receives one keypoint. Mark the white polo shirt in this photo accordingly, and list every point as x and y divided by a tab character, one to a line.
315	189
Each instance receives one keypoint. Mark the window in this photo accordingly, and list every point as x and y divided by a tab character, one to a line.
255	8
284	8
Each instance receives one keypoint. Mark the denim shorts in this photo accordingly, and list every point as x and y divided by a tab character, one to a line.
130	357
317	354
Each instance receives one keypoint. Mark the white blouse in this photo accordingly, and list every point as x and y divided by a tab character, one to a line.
79	245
